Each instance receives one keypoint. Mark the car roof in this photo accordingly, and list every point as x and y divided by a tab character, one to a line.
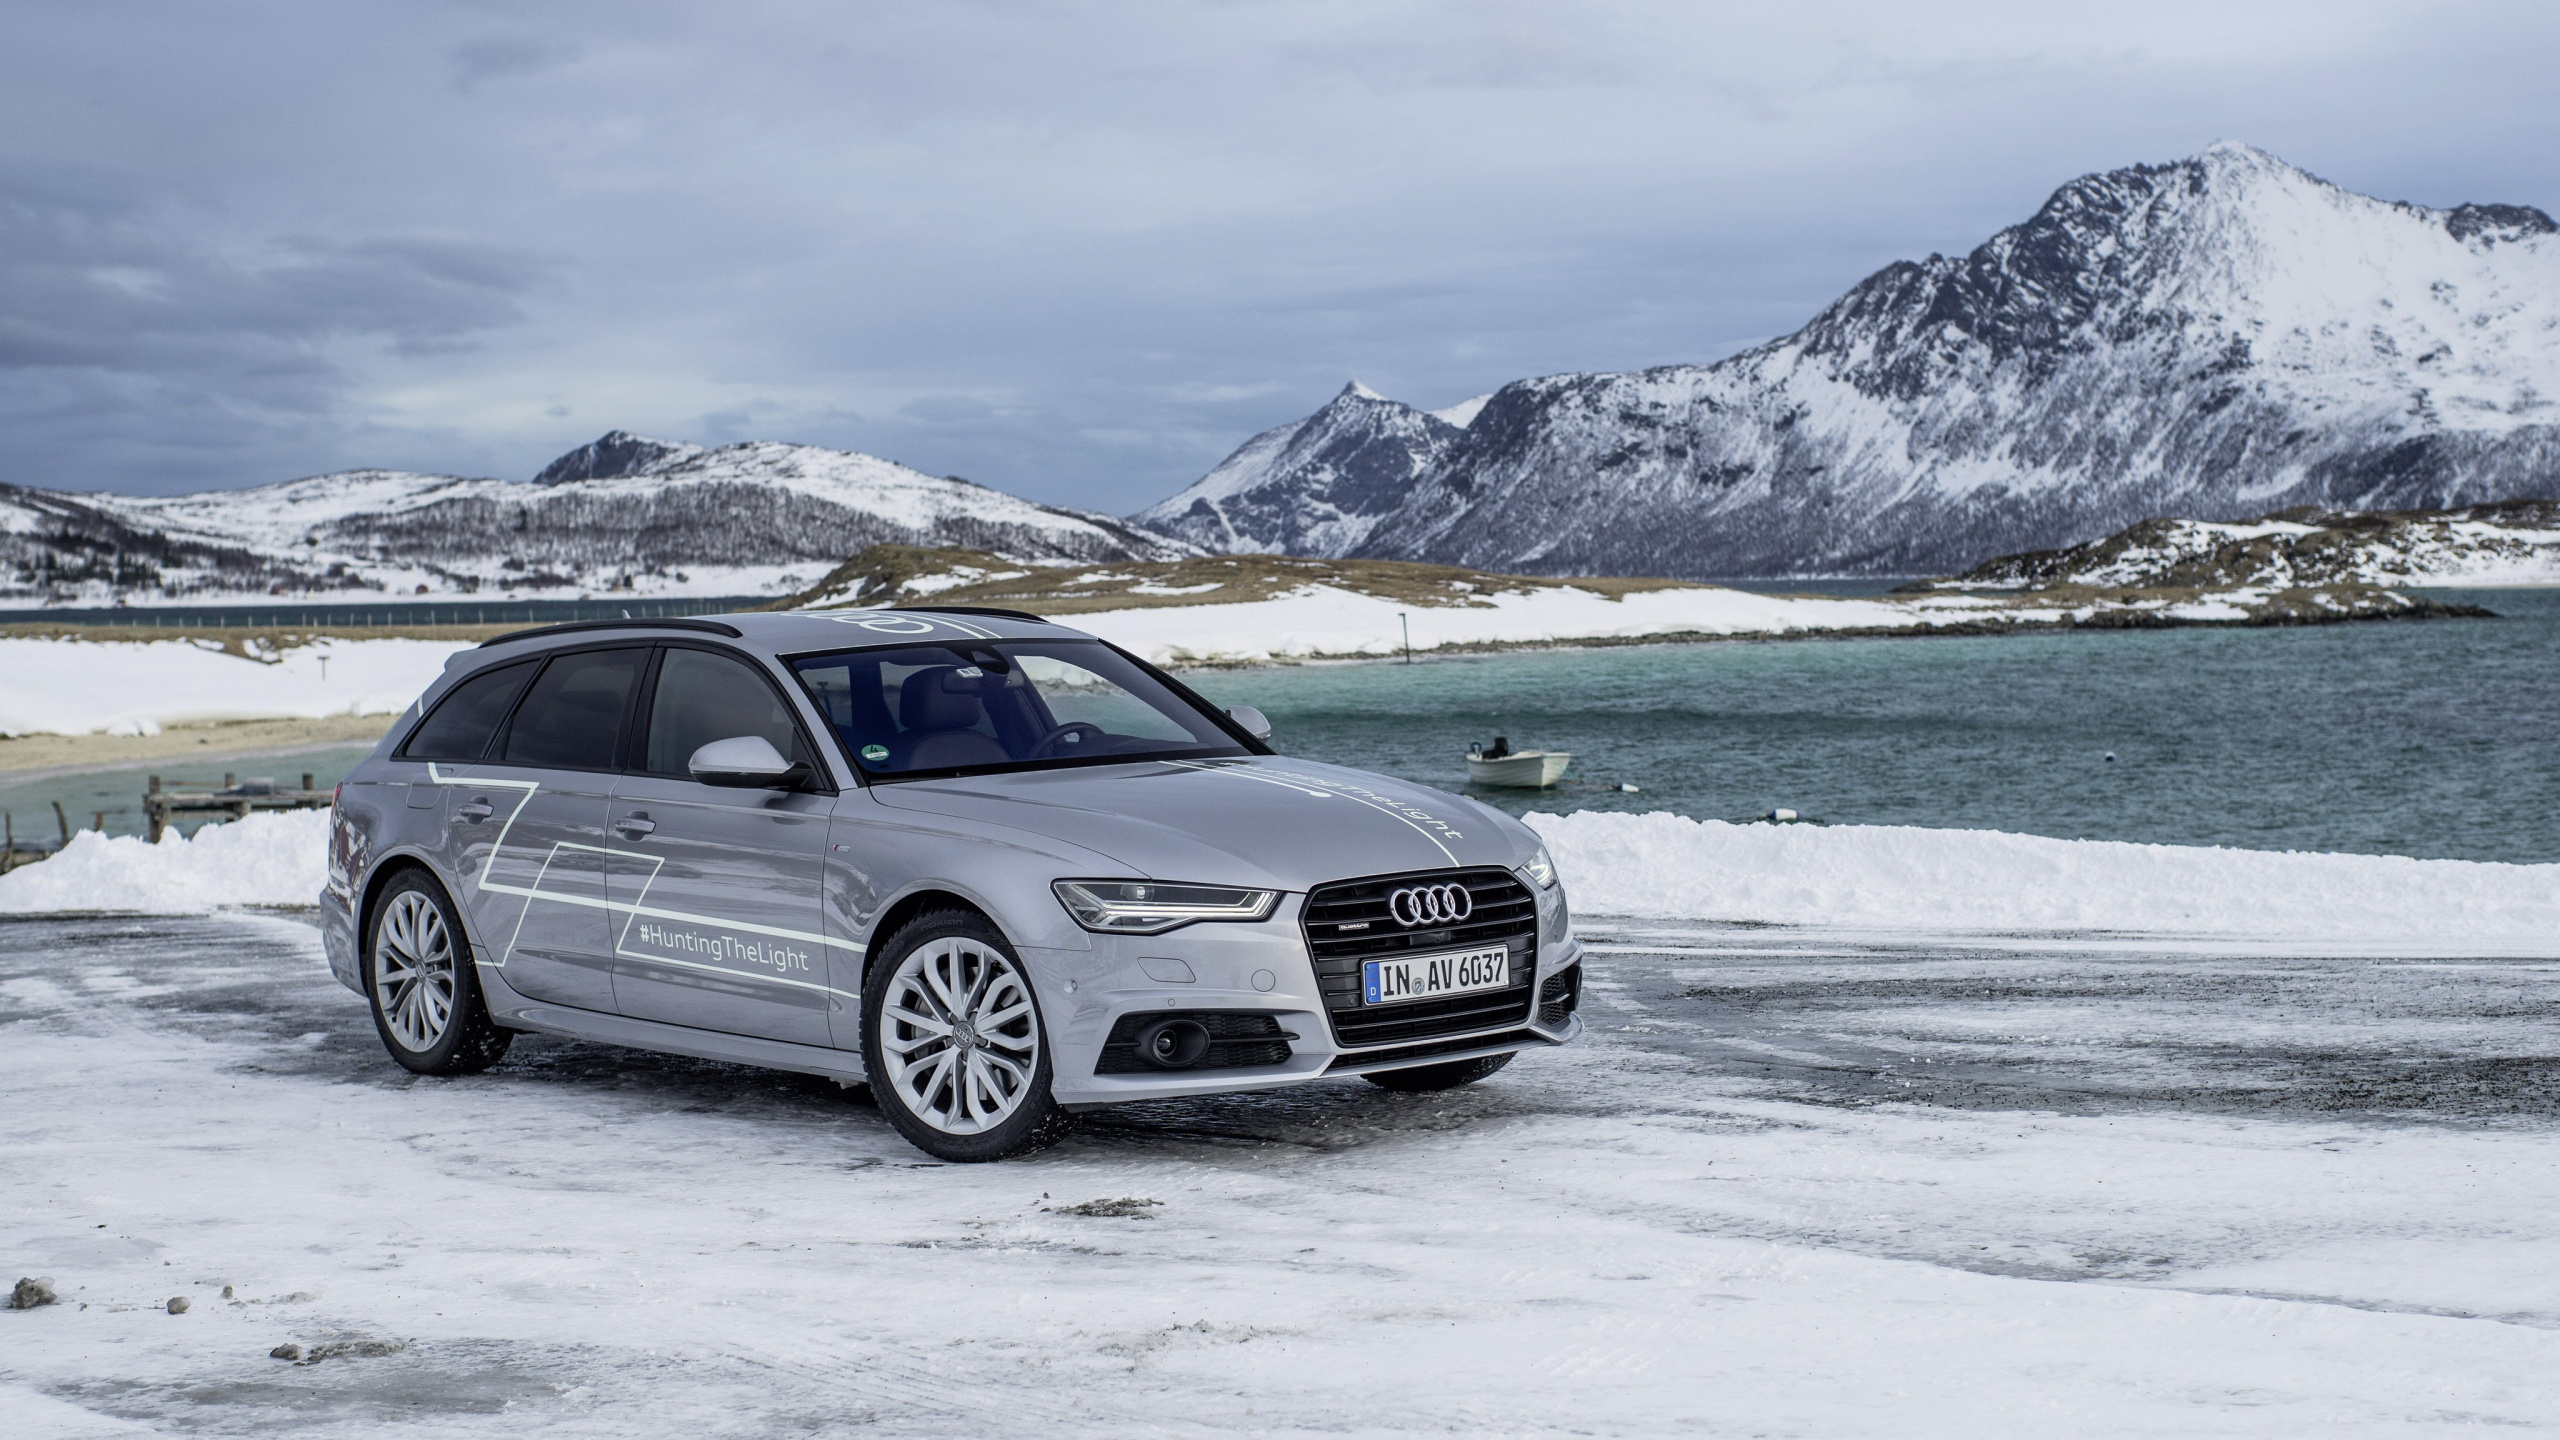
787	632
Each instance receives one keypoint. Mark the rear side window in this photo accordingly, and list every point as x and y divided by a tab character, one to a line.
462	722
702	697
572	718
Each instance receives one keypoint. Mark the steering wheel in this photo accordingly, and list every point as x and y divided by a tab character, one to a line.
1081	731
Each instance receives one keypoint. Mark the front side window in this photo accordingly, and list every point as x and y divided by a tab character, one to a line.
1006	703
702	697
572	718
464	720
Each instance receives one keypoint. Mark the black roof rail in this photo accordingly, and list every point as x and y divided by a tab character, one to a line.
975	610
710	627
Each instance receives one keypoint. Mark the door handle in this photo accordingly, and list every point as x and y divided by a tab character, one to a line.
636	825
475	812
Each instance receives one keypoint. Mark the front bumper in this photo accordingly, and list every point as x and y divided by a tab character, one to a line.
1259	969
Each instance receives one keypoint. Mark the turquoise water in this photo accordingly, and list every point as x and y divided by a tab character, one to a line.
2435	738
2411	738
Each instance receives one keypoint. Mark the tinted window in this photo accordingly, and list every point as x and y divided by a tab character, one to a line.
1007	703
703	697
463	721
572	718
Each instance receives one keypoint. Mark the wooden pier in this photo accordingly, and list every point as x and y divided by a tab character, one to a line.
162	807
167	805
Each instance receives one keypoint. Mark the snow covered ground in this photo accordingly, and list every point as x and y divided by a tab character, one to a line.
81	687
1790	1184
1323	620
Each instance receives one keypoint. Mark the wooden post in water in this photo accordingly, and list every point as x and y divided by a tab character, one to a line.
62	820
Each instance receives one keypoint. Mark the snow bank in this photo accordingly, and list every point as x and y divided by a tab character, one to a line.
80	687
1655	866
276	858
1663	866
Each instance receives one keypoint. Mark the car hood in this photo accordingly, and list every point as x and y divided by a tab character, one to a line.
1262	821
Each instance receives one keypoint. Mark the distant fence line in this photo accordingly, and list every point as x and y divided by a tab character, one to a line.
380	616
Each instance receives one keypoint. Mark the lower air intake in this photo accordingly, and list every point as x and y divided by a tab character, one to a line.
1238	1039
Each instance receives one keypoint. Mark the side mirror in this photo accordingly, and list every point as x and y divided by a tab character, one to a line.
1251	719
745	762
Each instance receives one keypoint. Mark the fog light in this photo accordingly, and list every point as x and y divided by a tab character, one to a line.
1173	1044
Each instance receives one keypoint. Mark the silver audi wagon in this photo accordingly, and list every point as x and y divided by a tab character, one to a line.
1000	870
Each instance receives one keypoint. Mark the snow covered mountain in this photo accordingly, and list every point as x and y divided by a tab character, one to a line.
623	515
1315	487
2217	337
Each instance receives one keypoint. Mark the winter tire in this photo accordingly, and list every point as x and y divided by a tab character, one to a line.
954	1045
424	991
1415	1079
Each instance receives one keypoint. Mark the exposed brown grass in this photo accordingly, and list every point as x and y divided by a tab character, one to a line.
887	574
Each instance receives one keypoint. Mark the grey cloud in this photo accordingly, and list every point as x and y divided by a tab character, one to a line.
1078	251
124	317
506	57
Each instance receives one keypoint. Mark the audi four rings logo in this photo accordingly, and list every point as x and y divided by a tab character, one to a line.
1431	905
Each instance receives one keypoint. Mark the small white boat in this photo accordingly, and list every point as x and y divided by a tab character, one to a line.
1518	769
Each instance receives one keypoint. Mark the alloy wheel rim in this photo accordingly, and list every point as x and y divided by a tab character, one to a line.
413	975
959	1039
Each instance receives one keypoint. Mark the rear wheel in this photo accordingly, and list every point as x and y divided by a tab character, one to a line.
953	1042
419	976
1418	1078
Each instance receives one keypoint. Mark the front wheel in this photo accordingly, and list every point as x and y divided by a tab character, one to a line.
425	993
953	1043
1419	1078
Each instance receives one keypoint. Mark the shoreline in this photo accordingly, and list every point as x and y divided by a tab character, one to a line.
1964	630
43	756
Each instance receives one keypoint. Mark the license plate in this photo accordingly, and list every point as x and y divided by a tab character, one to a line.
1428	977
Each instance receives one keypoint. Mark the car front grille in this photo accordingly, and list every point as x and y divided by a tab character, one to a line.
1348	922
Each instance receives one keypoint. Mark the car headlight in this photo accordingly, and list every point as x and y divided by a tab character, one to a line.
1541	869
1144	907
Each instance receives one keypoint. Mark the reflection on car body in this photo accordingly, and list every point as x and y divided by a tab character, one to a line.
1000	870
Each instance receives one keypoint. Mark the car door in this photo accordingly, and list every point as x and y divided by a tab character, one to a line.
715	890
530	822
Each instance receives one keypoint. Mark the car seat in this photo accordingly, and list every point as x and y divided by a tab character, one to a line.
938	710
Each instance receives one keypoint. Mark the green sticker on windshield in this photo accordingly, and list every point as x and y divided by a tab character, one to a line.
875	753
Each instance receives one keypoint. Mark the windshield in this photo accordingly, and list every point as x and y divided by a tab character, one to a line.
933	709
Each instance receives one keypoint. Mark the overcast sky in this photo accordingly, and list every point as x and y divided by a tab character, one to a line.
1078	252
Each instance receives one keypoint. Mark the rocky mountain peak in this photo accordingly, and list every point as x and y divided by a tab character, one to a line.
2491	224
1319	483
614	454
2210	336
